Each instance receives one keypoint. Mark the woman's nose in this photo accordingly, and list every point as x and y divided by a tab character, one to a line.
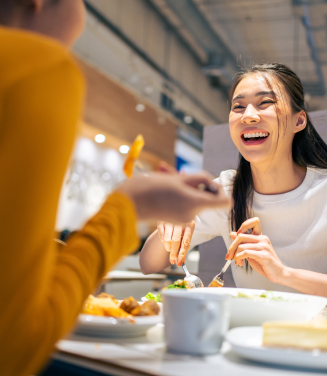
250	115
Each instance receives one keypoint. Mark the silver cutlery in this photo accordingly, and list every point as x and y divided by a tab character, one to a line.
218	281
193	281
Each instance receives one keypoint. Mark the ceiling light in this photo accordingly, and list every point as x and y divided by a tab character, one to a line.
188	119
140	107
124	149
100	138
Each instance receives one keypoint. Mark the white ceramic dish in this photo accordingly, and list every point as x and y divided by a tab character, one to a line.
110	327
99	326
247	342
254	312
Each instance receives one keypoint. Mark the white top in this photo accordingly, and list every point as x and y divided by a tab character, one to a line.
295	222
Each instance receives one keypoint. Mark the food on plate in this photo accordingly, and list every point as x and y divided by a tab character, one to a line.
133	155
179	284
265	295
128	304
105	305
151	296
148	308
215	283
301	335
105	295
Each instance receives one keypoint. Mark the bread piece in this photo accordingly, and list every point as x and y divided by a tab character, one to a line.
301	335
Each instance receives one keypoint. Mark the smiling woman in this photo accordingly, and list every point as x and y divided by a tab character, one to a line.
278	162
279	191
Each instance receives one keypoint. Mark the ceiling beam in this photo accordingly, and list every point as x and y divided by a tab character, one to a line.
192	19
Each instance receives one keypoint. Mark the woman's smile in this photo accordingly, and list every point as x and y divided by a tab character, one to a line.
254	136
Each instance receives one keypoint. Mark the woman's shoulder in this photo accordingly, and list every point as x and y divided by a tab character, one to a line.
319	175
23	53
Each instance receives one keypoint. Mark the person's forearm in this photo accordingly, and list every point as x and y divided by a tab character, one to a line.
154	258
305	281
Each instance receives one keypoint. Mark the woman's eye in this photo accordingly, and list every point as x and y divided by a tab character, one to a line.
237	106
266	102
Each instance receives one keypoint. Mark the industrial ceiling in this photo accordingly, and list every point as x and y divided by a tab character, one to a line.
229	34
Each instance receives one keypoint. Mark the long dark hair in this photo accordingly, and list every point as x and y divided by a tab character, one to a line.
308	148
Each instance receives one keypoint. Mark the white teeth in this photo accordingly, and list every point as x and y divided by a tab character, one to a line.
253	135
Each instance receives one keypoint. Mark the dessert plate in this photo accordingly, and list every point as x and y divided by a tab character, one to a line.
247	342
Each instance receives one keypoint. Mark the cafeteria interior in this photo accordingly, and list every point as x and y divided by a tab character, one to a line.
161	71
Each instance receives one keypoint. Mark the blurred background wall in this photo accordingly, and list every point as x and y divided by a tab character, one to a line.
163	68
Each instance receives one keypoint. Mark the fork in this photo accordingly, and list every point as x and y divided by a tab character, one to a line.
218	281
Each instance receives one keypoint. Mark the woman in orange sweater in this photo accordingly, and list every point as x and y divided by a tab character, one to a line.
41	95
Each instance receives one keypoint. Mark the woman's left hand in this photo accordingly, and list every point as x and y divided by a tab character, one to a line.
257	249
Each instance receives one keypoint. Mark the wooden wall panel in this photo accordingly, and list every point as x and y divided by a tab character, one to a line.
111	108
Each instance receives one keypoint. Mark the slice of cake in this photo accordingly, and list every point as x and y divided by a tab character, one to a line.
301	335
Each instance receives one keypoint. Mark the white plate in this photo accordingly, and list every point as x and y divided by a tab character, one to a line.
102	326
247	342
248	312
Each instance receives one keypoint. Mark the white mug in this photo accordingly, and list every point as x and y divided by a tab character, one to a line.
195	323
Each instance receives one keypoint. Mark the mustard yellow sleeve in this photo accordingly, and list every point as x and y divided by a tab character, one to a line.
42	290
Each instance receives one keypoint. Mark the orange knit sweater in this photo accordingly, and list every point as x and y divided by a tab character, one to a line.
42	291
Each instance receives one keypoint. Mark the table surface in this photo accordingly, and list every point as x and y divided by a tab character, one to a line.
169	272
131	275
139	356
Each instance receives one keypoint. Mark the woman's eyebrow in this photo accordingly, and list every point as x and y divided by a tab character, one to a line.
237	97
257	94
265	93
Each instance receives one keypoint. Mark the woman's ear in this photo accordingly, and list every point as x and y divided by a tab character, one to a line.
301	121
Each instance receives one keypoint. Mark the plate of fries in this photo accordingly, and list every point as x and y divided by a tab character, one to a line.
105	316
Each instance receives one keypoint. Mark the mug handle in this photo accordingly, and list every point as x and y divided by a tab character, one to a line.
212	312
